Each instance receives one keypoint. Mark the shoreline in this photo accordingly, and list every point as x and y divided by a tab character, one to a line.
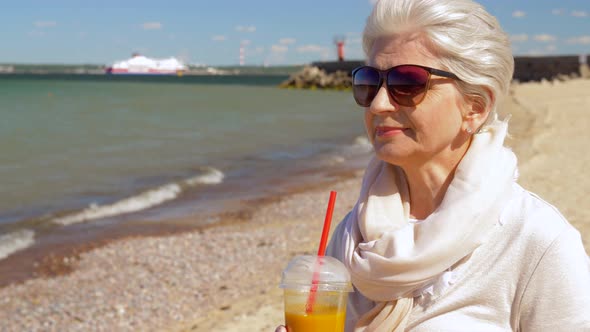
224	277
143	258
57	251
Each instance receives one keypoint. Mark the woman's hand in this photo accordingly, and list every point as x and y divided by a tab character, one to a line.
281	328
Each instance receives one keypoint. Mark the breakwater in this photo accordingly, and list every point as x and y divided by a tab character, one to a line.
336	74
323	75
532	68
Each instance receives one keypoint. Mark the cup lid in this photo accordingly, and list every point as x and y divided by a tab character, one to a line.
330	274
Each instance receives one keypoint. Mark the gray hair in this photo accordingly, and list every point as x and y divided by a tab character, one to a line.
468	40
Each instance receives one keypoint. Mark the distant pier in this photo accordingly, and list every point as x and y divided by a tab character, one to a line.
533	68
331	67
526	68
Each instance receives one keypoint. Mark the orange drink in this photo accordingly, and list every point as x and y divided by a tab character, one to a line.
315	292
325	319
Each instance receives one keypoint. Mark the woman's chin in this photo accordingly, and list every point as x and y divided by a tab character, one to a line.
392	155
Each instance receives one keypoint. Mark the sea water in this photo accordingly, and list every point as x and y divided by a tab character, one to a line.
81	150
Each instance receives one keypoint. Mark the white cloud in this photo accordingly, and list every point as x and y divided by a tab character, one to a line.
325	53
287	41
151	26
219	38
519	38
245	42
579	13
582	40
241	28
518	14
545	38
45	24
558	11
373	2
279	49
551	48
310	48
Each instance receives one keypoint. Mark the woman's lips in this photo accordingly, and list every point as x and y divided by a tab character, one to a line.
386	131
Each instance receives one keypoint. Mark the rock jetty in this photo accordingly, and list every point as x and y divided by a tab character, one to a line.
312	77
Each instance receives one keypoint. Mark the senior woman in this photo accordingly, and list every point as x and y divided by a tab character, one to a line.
442	237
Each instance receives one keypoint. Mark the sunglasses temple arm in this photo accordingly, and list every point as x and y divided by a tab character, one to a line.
443	73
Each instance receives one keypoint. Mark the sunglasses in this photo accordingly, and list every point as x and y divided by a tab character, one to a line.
407	84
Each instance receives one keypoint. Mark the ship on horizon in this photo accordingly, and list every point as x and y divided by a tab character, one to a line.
142	65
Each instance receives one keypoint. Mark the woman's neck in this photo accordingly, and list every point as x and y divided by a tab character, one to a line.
428	182
427	189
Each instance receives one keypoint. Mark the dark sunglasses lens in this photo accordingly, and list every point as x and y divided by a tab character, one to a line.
407	84
365	85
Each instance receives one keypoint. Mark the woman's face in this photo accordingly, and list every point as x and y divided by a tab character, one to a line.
413	136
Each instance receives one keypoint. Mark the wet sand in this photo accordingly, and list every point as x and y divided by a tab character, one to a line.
224	277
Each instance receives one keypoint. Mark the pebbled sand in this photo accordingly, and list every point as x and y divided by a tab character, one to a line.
224	278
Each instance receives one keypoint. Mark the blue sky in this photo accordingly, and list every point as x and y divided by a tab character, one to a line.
272	32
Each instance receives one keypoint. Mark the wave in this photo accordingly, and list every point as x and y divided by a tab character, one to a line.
210	176
362	143
143	200
15	241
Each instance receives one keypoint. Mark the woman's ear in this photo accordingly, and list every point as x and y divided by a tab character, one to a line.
477	111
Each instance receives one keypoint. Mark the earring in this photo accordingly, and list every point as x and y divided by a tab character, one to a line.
469	131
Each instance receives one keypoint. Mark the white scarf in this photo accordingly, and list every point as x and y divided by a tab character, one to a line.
389	257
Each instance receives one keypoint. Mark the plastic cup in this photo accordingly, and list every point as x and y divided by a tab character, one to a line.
327	281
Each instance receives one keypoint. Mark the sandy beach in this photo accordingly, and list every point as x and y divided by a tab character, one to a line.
224	277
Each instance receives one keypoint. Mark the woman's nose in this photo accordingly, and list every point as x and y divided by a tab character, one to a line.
382	102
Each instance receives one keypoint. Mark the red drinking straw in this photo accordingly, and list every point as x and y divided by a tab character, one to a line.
321	253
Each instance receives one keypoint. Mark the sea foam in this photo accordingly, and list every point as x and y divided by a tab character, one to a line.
210	176
143	200
363	143
15	241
